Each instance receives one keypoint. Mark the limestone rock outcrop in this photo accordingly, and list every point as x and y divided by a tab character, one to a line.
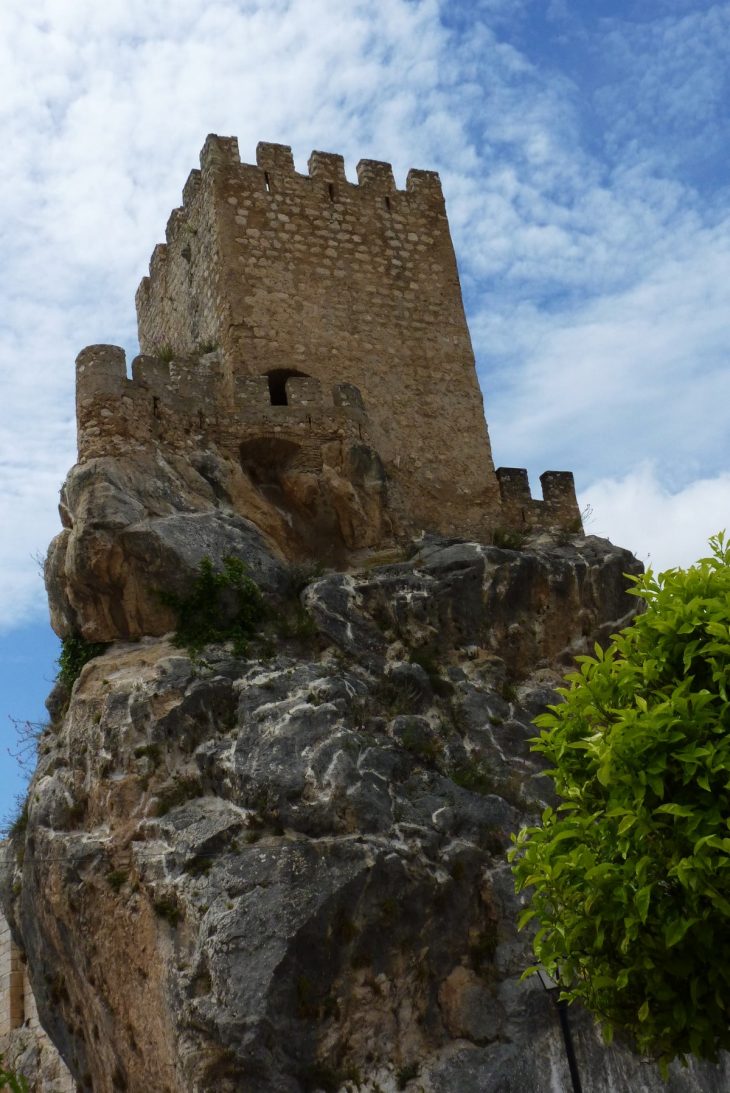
140	525
286	873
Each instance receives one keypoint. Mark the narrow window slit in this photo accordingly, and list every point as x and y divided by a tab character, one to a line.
387	203
267	182
331	191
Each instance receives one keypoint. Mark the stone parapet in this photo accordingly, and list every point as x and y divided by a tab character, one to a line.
557	509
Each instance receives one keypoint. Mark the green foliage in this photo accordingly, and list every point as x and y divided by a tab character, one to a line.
295	624
199	866
426	657
475	775
166	907
630	876
406	1074
117	878
75	653
509	539
220	607
11	1080
165	353
16	823
322	1078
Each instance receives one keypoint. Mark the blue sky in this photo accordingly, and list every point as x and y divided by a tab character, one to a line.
583	151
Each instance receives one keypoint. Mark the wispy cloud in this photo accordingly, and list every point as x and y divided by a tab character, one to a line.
662	527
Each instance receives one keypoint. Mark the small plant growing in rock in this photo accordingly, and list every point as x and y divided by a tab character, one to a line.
221	606
300	575
10	1079
322	1078
406	1074
75	653
117	879
167	908
475	776
508	539
16	823
425	657
165	353
152	752
297	624
206	347
199	866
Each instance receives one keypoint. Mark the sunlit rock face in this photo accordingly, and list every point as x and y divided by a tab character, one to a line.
286	872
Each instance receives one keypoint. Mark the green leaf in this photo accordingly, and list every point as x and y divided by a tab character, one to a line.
525	917
643	897
675	931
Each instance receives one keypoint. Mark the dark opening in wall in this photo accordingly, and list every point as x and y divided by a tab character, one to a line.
331	191
265	459
277	378
267	182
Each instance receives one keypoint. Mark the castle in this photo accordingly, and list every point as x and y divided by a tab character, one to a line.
311	331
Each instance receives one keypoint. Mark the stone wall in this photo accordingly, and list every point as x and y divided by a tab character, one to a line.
23	1043
180	405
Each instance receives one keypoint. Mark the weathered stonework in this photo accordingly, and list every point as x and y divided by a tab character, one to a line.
304	325
24	1044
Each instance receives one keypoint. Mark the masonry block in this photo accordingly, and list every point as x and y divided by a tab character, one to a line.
275	158
375	174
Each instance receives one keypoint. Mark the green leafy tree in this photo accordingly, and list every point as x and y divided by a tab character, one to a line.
629	877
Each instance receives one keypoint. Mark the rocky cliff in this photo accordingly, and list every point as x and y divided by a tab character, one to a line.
282	870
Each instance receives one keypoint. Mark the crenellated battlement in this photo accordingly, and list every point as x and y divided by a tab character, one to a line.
179	403
558	507
322	297
275	171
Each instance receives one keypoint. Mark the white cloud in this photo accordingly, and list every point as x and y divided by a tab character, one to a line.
664	528
641	374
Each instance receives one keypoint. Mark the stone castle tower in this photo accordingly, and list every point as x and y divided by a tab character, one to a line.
311	330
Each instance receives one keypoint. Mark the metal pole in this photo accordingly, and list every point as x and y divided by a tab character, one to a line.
568	1040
